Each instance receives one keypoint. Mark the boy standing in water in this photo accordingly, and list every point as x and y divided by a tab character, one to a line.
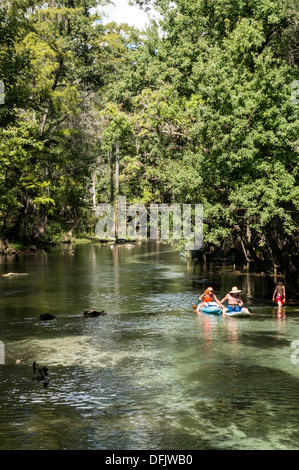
279	295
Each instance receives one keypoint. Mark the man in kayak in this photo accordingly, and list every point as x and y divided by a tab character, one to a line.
235	303
279	295
206	298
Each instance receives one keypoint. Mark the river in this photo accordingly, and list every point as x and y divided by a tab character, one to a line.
151	374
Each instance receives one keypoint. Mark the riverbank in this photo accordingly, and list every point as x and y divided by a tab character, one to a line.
231	260
9	248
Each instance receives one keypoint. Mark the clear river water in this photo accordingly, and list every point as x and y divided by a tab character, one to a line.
151	374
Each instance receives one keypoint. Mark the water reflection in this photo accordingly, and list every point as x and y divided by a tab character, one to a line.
279	313
232	333
151	374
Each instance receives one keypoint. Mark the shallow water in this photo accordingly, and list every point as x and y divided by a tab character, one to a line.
151	374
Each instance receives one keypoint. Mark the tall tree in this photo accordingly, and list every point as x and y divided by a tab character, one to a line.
227	131
55	48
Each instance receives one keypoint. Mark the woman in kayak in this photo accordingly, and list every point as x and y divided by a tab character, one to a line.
206	298
235	303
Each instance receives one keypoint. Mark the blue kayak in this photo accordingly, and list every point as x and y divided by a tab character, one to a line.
244	312
211	309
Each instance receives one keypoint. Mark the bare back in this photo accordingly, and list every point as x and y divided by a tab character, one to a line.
232	299
280	290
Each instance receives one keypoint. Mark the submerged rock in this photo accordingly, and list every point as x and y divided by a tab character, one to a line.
93	313
46	316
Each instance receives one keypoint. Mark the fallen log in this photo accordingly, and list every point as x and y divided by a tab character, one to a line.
14	274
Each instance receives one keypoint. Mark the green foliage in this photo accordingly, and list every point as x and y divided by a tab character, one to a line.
199	106
211	102
49	64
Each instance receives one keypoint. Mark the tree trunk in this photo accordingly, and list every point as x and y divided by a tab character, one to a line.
94	195
111	177
117	168
44	120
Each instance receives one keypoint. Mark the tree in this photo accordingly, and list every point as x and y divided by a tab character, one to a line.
55	48
229	66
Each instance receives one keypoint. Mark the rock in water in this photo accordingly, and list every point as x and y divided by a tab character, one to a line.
46	316
93	313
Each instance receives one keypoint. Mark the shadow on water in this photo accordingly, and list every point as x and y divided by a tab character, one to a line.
264	340
247	412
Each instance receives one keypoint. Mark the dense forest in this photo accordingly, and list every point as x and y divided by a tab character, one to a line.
202	107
